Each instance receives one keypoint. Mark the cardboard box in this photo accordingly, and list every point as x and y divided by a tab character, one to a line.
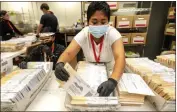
124	21
173	45
171	13
113	5
112	21
170	29
140	21
138	38
126	37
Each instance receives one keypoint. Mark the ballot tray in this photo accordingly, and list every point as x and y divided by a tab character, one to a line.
105	107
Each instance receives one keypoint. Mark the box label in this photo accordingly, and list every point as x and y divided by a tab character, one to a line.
170	31
125	40
138	39
124	24
140	23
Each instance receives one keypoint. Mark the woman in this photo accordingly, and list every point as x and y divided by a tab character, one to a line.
8	30
100	43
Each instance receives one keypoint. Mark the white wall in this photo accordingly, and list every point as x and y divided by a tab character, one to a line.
66	12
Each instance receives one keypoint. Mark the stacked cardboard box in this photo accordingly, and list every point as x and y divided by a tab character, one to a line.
112	21
138	38
171	13
140	21
170	29
124	21
126	37
167	60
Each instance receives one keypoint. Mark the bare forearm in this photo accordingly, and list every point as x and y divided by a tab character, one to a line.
66	57
70	52
118	68
39	29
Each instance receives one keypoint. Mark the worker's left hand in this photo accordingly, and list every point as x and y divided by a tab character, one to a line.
107	87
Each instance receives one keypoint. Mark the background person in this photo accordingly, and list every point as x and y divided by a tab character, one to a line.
7	29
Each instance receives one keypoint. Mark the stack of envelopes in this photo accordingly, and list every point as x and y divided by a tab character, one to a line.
167	60
142	66
163	84
132	89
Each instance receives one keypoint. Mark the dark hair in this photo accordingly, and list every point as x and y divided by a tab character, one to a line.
98	6
44	6
2	13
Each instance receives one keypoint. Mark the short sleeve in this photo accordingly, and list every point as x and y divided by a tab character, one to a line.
42	21
80	38
113	35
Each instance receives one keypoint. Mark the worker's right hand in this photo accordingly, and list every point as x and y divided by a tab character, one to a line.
60	72
37	35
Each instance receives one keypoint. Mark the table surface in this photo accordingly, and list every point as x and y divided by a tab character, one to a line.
52	98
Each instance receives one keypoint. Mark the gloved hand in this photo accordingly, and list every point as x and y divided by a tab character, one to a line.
47	50
23	65
37	36
60	72
107	87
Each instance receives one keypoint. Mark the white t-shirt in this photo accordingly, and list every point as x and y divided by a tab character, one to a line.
83	39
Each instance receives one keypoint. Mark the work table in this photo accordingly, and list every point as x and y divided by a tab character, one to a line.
52	98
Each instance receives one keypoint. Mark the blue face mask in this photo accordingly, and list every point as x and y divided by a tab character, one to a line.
98	31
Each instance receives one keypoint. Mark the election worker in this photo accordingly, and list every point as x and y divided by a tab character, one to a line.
100	43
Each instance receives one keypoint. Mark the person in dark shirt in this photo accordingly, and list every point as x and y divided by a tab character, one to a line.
52	50
48	22
7	29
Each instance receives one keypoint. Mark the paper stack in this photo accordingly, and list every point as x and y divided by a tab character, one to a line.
25	39
11	46
86	81
47	66
142	66
76	86
160	79
167	60
16	44
46	35
163	84
132	89
20	87
92	73
94	101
